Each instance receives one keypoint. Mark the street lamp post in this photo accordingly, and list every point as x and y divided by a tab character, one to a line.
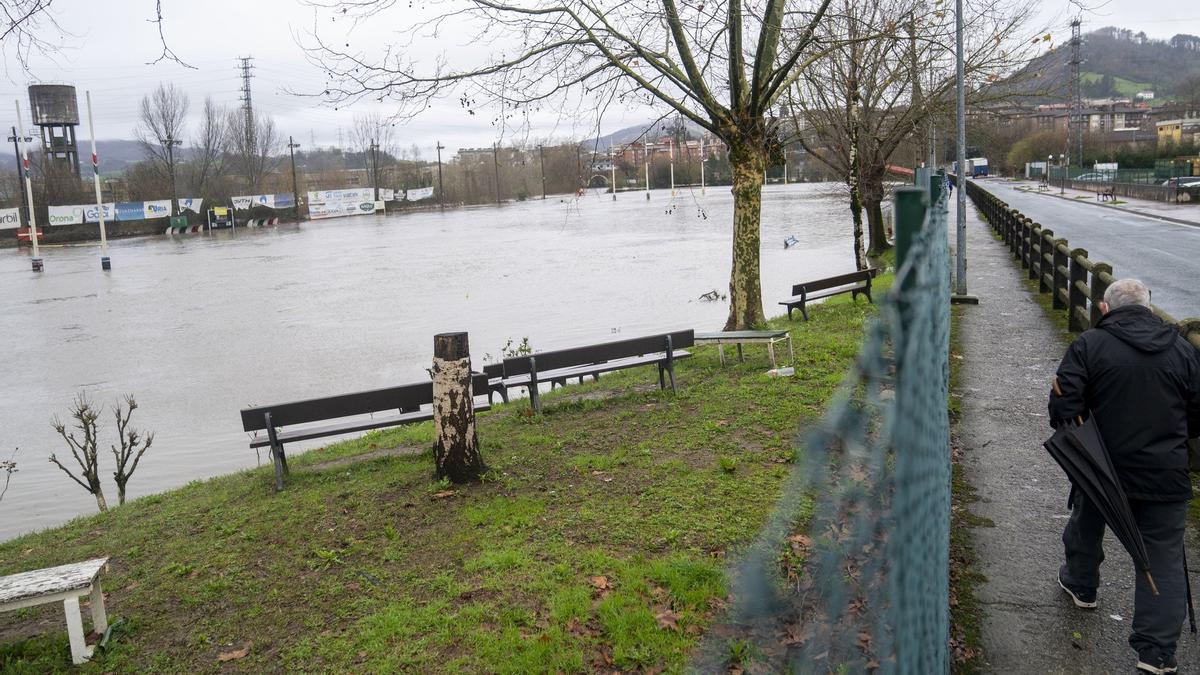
1062	162
1049	163
36	260
16	139
960	269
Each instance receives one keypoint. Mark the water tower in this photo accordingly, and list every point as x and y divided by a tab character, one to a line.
56	113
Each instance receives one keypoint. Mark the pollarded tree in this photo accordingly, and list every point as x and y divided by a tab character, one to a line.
723	66
863	100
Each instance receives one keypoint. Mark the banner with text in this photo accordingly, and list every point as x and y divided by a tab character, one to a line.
191	204
387	194
417	194
10	219
91	214
285	201
157	209
335	203
242	203
131	211
64	215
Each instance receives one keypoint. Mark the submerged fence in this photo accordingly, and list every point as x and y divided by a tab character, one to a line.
872	594
1075	283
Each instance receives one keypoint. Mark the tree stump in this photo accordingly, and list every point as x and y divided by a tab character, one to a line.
455	445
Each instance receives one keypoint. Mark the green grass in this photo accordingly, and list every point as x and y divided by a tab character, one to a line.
1122	86
598	539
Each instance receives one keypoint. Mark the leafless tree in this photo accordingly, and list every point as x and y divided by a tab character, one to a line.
133	445
867	97
83	450
161	121
29	27
9	467
208	148
723	66
254	151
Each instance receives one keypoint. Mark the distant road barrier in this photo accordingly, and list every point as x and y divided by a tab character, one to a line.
1075	282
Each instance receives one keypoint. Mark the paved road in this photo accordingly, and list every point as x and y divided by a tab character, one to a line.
1164	255
1010	353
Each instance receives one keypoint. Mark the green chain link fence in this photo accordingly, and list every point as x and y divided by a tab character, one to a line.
874	593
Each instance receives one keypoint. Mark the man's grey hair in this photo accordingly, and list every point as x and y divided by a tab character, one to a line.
1124	292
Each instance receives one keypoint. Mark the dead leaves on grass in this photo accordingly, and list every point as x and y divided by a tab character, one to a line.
233	654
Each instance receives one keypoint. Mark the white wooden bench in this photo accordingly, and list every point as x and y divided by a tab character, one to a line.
740	337
66	583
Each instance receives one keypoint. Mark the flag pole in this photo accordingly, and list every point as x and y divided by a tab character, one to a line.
33	237
105	263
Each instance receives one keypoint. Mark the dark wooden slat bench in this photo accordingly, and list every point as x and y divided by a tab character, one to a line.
388	407
853	283
591	360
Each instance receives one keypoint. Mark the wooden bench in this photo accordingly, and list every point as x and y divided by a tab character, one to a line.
66	583
741	337
853	283
556	367
1106	194
389	407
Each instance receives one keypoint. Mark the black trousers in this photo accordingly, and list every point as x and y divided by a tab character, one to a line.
1157	620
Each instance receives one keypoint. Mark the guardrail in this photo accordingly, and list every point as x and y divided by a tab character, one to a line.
1076	283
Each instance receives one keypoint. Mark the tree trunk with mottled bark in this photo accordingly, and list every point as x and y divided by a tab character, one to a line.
748	161
853	173
873	194
455	445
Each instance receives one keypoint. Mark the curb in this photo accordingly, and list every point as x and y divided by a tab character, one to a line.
1177	221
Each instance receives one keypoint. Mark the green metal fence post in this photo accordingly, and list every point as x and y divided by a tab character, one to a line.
911	203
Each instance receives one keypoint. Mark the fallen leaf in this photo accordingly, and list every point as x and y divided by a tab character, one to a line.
443	494
233	655
600	582
667	620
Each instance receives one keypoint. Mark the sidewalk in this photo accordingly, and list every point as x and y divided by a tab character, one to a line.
1183	213
1010	353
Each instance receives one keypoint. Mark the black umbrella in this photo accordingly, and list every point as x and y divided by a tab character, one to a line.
1080	451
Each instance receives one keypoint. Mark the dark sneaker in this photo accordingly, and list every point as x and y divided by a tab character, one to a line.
1084	599
1157	666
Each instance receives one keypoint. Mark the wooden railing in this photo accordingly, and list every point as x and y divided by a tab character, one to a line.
1075	282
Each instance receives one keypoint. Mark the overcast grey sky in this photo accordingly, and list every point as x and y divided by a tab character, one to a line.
110	43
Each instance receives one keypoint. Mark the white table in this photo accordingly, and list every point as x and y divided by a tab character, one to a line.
740	337
66	583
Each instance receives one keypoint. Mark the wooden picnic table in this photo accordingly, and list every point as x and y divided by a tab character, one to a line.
741	337
65	583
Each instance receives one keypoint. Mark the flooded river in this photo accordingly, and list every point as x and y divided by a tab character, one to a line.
199	326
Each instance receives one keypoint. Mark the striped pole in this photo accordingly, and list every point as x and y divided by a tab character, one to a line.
105	263
33	237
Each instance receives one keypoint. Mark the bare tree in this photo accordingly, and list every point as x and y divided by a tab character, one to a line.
208	148
133	446
83	450
255	155
866	98
161	121
9	467
28	27
723	66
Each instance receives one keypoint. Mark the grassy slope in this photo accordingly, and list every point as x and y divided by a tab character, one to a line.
598	539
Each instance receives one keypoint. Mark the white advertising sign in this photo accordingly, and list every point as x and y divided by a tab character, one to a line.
242	203
417	194
65	215
190	204
10	219
264	200
338	209
91	214
387	194
157	209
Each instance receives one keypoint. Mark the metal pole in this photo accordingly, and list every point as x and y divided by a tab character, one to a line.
671	147
702	158
646	162
496	165
960	277
17	152
612	167
36	261
292	145
542	159
441	191
105	263
170	142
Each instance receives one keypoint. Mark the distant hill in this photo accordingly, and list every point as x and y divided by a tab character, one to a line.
116	155
646	131
1116	62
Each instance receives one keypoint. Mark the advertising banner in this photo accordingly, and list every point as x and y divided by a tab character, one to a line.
387	194
351	195
130	211
91	214
157	209
417	194
10	219
335	210
264	200
190	204
284	201
65	215
242	203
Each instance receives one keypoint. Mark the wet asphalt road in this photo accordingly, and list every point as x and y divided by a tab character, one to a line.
1165	255
1010	353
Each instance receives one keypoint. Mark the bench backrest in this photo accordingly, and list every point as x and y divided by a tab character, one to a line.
403	397
834	282
605	351
493	370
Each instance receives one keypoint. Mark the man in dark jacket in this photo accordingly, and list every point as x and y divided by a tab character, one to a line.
1141	380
